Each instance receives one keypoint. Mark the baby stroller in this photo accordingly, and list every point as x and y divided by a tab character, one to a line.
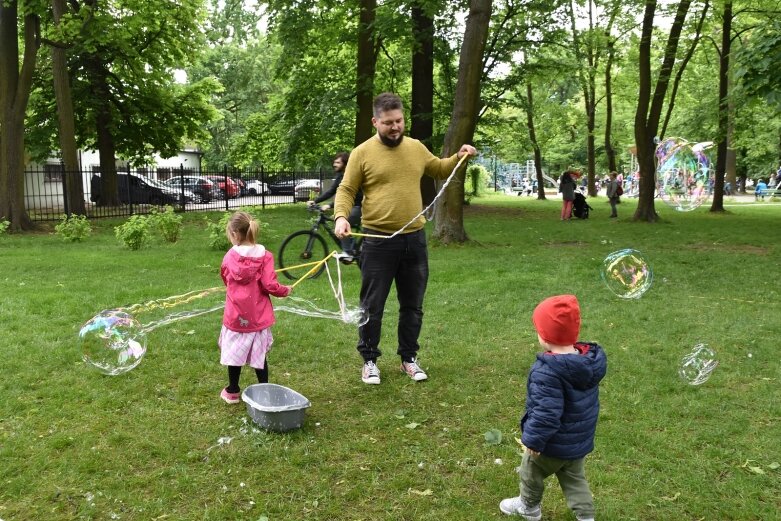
580	206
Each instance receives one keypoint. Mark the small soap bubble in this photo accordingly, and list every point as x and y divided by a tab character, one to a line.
697	366
627	274
113	342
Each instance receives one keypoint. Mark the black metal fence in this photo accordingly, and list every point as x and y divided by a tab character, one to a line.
51	192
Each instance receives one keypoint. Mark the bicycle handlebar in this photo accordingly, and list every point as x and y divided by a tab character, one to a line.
320	212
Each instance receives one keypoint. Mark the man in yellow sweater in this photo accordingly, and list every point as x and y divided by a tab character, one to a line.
387	168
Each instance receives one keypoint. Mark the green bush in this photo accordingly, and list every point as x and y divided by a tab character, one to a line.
218	239
168	223
75	228
134	233
477	180
4	225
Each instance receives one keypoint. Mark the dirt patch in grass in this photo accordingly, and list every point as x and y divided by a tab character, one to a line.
504	211
732	248
565	244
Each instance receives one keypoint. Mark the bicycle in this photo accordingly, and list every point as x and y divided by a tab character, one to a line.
306	247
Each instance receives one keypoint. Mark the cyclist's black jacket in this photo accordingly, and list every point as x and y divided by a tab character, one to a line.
331	192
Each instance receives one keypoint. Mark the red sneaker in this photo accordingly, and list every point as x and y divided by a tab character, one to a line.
230	397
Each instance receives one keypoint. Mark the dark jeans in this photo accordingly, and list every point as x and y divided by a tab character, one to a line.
403	259
613	201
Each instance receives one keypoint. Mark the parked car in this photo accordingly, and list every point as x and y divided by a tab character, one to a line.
241	184
203	188
255	187
136	189
282	186
304	190
228	190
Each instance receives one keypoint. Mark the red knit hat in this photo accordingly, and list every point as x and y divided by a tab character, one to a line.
557	320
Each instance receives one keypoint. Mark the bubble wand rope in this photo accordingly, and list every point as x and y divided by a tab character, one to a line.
426	209
313	270
337	289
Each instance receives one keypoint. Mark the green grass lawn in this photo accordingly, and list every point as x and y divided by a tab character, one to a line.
75	444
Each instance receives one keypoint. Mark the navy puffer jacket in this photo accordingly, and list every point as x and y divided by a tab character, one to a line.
562	402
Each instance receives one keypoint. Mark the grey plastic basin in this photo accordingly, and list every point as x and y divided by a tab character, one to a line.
275	407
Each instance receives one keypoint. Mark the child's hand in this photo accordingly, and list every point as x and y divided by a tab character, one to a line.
532	452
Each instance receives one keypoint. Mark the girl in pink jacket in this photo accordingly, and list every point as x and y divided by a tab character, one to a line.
248	272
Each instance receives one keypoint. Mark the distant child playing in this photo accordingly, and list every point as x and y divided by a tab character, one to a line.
562	406
248	272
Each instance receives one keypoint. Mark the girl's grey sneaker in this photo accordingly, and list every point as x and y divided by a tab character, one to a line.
371	373
515	506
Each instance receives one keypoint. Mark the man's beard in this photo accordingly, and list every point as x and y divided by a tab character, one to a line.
390	142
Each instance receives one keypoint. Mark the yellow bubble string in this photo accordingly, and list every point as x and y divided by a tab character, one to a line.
314	268
186	298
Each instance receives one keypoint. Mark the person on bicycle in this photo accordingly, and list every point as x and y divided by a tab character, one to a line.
387	168
354	218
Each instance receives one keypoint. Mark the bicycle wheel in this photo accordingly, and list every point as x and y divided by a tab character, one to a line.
302	247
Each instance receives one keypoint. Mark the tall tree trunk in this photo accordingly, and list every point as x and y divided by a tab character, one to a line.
533	140
422	114
731	168
721	151
74	194
586	58
104	120
591	149
732	159
366	64
649	109
449	211
682	67
779	146
15	85
610	152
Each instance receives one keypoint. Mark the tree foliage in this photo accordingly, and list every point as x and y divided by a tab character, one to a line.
758	60
276	84
122	58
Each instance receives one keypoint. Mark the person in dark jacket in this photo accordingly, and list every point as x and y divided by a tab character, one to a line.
612	193
567	188
562	406
348	243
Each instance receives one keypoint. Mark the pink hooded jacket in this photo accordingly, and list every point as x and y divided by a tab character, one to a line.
248	273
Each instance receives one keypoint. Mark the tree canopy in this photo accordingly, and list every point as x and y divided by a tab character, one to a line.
274	83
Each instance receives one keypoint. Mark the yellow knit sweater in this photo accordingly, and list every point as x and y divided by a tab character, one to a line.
390	180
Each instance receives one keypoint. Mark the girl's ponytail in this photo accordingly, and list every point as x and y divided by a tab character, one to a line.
252	231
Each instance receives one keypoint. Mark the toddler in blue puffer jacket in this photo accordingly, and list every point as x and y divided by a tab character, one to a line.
562	407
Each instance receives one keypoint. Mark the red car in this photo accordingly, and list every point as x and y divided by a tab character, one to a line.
228	190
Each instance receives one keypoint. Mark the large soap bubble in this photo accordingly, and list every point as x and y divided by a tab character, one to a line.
697	366
682	173
113	342
627	274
